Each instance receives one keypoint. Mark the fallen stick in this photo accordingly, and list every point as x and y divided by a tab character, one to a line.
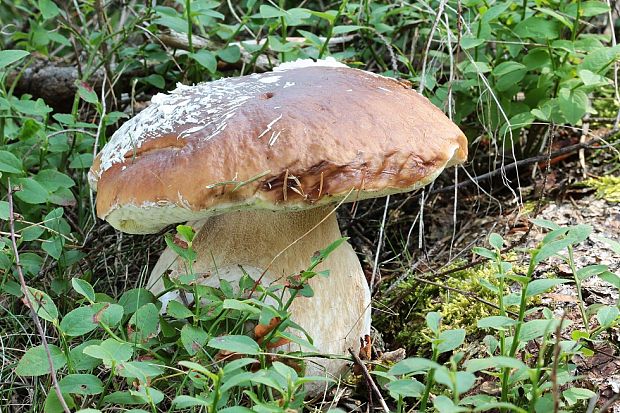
30	305
369	380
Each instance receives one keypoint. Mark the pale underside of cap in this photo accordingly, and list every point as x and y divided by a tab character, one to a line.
304	135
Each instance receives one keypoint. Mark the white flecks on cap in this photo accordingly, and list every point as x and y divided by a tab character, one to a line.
301	63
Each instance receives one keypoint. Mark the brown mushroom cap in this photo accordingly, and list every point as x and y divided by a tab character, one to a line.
322	128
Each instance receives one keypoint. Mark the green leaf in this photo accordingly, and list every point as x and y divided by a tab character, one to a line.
193	338
81	361
178	310
235	343
346	29
48	9
184	402
469	42
450	339
135	298
269	12
573	104
156	80
54	221
206	59
86	92
43	304
607	315
79	322
496	322
444	405
574	394
464	380
11	56
592	79
35	362
230	54
507	74
144	323
86	384
110	351
538	27
497	362
540	286
537	328
589	271
51	180
496	241
405	388
10	163
81	161
32	192
141	370
412	365
433	321
4	210
485	252
52	404
588	8
83	288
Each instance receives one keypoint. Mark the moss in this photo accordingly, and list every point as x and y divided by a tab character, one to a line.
405	325
607	187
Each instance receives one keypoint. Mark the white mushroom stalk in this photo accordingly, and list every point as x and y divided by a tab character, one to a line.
339	312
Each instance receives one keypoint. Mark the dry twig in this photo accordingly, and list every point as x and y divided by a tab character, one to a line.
369	380
29	303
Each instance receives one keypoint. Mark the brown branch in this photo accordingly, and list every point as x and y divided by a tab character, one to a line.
369	380
29	303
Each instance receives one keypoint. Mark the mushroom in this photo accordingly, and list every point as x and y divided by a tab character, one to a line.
257	163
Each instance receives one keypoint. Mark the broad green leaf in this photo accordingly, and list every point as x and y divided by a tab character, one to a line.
496	322
86	384
540	286
469	42
10	163
48	9
412	365
43	304
206	59
135	298
496	241
144	323
405	388
141	370
51	180
4	210
35	362
433	321
507	74
607	315
573	104
193	338
574	394
110	351
497	362
184	402
235	343
83	288
450	339
11	56
52	404
81	361
32	192
79	321
178	310
230	54
536	27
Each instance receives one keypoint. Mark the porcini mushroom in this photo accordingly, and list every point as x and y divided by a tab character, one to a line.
257	162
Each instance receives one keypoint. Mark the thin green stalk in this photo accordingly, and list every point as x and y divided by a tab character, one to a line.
522	307
582	309
188	10
429	383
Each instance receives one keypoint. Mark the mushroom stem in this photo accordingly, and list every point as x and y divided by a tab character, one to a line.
339	312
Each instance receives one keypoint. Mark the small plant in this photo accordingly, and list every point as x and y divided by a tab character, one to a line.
223	351
526	381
